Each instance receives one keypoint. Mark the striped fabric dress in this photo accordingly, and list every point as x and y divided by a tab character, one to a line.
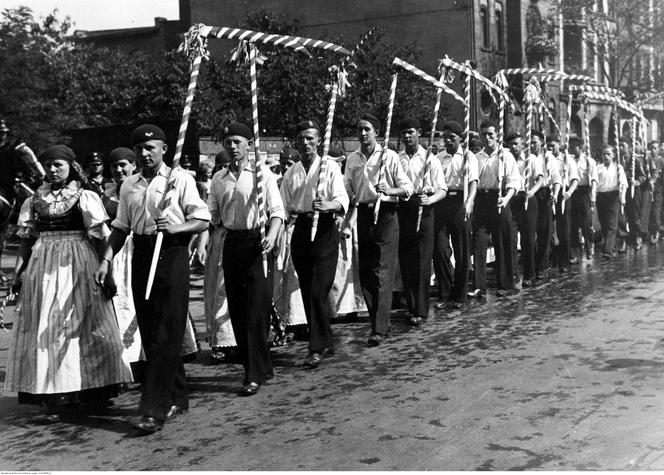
66	342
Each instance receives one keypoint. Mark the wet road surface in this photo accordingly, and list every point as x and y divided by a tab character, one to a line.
565	376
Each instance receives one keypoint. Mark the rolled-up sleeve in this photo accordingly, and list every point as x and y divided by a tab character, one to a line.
192	204
572	170
436	175
399	175
472	167
336	189
26	223
212	198
122	219
512	175
273	202
592	171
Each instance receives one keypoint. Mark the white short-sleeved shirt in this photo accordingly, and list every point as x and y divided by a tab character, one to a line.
425	174
454	168
490	168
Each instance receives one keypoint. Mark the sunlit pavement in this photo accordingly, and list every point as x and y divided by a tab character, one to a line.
568	375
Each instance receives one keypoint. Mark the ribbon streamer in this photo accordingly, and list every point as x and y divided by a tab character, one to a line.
466	69
388	123
427	77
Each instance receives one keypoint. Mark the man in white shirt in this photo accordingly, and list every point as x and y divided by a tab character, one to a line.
416	246
499	179
583	200
234	204
374	175
315	261
163	317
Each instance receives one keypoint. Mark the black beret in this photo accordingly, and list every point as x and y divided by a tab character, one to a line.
513	136
336	152
409	123
575	139
145	133
236	128
553	138
222	157
372	119
537	133
121	153
454	127
475	143
289	153
307	124
58	152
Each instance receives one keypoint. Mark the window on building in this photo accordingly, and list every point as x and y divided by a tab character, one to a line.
500	43
484	17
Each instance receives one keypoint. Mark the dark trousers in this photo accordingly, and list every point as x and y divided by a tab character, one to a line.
487	220
377	248
656	211
582	218
249	295
608	208
450	223
316	264
524	221
415	251
637	210
563	222
544	230
161	321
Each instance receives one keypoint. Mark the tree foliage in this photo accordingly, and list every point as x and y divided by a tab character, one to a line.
52	82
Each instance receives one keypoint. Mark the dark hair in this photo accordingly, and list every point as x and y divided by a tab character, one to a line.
488	123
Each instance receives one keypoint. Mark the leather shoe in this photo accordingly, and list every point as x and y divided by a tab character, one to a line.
375	339
149	424
415	321
312	361
440	304
563	270
175	410
526	283
249	389
456	305
476	294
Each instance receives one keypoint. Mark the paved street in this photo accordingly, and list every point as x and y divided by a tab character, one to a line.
567	376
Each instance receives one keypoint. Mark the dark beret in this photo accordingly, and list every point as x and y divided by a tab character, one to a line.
575	139
454	127
372	119
289	154
513	136
94	157
222	157
537	133
236	128
121	153
307	124
409	123
145	133
553	138
58	152
336	152
475	143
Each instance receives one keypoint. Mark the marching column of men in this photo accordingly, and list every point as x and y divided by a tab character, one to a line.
412	207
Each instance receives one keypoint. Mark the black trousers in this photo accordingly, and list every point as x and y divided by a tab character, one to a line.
656	210
377	248
582	218
249	295
487	220
544	230
450	223
316	264
524	221
637	210
563	225
608	209
415	251
161	321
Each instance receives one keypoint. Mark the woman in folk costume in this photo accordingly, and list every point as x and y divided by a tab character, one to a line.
286	291
346	287
210	252
121	161
66	348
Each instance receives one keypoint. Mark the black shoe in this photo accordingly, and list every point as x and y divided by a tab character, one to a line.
527	283
638	244
440	304
563	270
501	293
415	321
539	277
149	424
312	361
250	389
175	410
375	339
574	261
476	294
456	305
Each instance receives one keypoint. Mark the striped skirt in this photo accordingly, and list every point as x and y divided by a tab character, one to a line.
66	336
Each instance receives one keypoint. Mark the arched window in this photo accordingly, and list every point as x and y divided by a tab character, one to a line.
486	29
500	42
596	136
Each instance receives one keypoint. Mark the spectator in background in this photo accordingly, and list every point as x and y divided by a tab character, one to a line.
221	161
94	167
204	179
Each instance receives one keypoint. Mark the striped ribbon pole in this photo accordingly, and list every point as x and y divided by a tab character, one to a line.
542	121
427	168
170	188
260	192
569	120
501	162
633	164
586	126
427	77
529	137
320	188
616	131
466	131
388	123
